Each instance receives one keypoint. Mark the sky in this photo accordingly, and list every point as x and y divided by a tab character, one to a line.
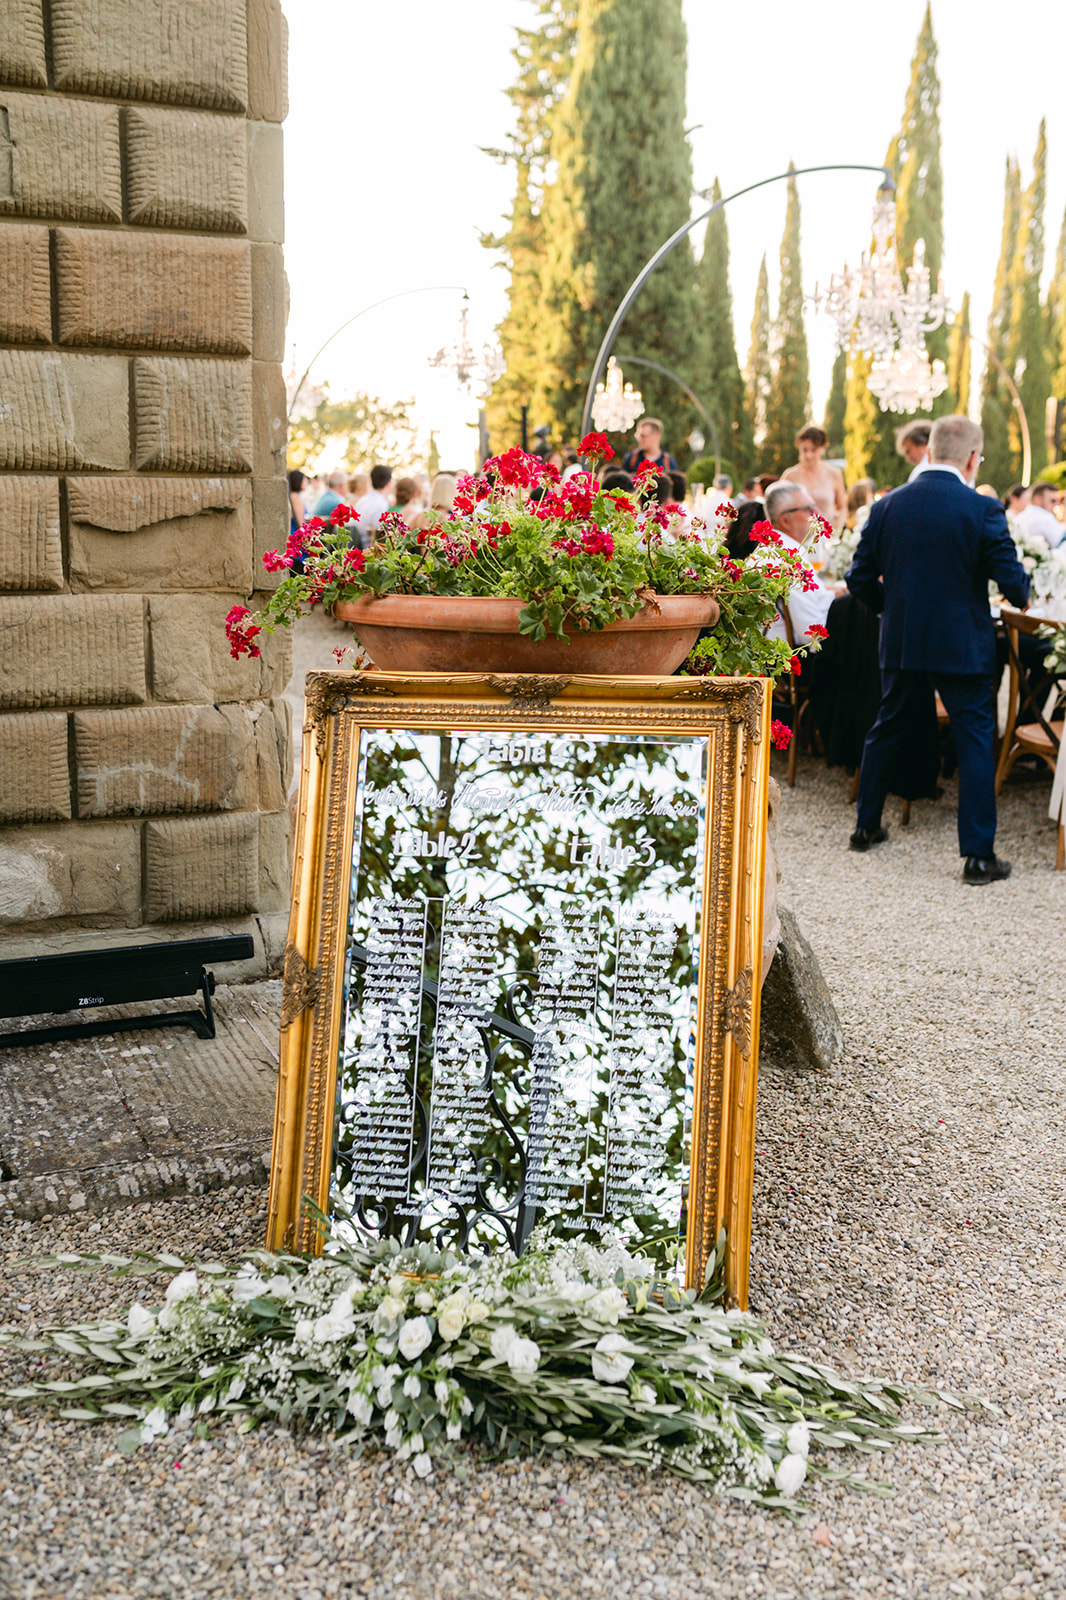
389	188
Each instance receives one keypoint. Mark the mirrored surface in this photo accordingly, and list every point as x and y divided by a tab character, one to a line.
520	988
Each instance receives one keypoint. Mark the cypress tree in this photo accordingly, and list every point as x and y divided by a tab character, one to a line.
995	397
861	421
718	381
914	156
959	358
1027	352
543	55
758	372
788	409
622	186
837	403
1056	313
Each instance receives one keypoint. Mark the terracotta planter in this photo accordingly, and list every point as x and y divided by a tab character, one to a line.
429	633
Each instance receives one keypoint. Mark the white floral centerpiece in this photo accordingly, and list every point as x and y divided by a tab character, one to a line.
568	1348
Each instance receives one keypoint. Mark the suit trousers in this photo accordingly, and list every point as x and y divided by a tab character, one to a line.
969	701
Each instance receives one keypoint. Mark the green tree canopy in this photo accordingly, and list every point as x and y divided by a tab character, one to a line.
1056	311
758	373
959	357
622	185
789	407
995	397
354	433
836	404
1027	335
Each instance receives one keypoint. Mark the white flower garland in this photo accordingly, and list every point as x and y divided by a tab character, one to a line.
570	1348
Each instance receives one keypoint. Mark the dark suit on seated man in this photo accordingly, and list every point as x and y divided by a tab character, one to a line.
924	561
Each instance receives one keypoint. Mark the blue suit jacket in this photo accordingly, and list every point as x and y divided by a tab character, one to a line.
924	560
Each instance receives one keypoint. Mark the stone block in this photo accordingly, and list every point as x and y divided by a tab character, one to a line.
31	552
191	661
270	302
270	428
268	61
148	291
266	182
187	169
193	416
274	861
72	871
799	1026
65	159
22	59
156	759
60	412
72	650
271	516
160	533
194	55
34	771
272	752
201	867
25	286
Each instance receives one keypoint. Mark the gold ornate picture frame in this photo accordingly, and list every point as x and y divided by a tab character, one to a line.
728	718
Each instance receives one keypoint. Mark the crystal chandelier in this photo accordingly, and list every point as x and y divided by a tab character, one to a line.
470	366
875	314
617	405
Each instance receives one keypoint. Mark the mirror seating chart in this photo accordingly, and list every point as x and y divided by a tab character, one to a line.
511	910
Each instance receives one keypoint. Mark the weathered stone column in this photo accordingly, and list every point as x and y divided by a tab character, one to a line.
143	773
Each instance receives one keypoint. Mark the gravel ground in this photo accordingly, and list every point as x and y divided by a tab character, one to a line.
908	1220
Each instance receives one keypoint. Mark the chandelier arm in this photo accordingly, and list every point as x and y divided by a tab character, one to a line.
667	248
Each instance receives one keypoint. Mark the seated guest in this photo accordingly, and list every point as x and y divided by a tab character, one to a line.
373	506
1016	499
336	493
1038	519
738	540
406	490
617	481
860	494
441	497
749	490
790	510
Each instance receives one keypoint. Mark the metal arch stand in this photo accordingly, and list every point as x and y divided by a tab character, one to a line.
639	361
671	245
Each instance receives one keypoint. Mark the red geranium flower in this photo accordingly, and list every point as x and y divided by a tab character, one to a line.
726	509
781	734
816	631
764	533
795	667
241	635
647	468
341	514
596	542
596	446
515	468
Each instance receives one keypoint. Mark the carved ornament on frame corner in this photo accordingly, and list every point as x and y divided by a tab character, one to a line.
326	695
529	691
742	701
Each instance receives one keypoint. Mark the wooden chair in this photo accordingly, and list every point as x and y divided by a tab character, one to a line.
1027	731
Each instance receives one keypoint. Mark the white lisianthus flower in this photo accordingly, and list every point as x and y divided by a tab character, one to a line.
454	1430
360	1408
415	1335
523	1357
610	1364
451	1319
140	1321
185	1415
466	1406
645	1394
337	1323
279	1287
154	1424
441	1392
388	1311
392	1437
502	1340
247	1285
790	1474
208	1403
183	1287
392	1419
412	1388
607	1306
422	1464
798	1439
303	1330
424	1300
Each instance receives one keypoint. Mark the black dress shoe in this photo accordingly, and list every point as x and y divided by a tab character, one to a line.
985	869
865	838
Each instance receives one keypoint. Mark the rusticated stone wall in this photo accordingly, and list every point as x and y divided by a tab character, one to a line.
143	773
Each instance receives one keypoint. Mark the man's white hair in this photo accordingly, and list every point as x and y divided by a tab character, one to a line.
776	495
954	440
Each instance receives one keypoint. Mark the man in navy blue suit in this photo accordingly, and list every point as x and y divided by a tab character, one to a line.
924	561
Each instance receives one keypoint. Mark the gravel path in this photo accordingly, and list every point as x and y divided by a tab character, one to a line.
908	1220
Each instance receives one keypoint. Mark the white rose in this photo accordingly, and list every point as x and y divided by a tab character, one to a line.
798	1439
476	1311
415	1335
424	1300
450	1322
422	1465
398	1286
167	1318
247	1284
502	1340
337	1323
388	1311
279	1286
139	1322
790	1474
523	1357
607	1306
183	1287
609	1363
